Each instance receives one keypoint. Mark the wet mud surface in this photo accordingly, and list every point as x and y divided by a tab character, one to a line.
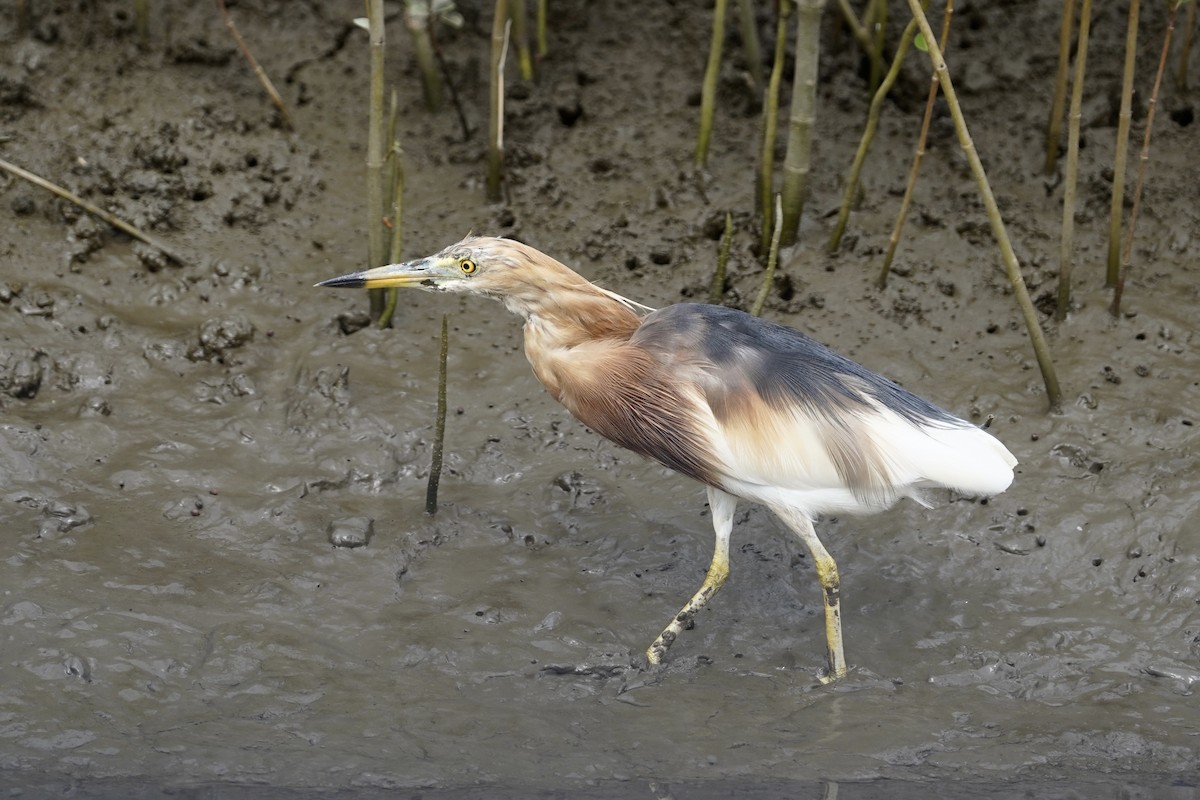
181	445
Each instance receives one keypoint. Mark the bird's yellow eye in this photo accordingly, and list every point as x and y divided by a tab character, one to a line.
468	266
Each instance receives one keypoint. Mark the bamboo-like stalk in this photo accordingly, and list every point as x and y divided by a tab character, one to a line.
750	43
708	91
417	19
1185	50
1013	269
543	40
95	211
439	428
918	154
520	35
717	290
766	162
1071	179
259	72
495	174
1143	160
1123	121
772	260
376	247
868	136
395	169
796	164
1054	128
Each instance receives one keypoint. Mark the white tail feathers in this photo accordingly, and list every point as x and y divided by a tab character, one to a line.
967	459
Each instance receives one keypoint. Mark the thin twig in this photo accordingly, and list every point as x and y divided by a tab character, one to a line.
860	156
1071	179
495	174
520	35
95	211
418	19
708	91
750	43
772	260
717	289
1054	128
1185	50
543	40
766	167
395	169
918	155
439	428
376	247
1117	205
1143	160
860	33
259	72
1013	269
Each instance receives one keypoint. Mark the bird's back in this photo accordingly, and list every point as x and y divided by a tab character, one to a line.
790	419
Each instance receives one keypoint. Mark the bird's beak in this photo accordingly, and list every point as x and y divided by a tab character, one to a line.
426	273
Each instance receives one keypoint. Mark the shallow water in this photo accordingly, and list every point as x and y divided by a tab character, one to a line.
177	445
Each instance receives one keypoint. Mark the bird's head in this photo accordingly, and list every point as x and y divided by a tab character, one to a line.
493	267
526	280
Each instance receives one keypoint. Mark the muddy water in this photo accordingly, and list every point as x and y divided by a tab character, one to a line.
180	443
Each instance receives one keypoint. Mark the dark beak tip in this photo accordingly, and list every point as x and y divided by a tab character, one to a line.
342	282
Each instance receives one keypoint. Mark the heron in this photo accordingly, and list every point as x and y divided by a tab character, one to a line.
751	409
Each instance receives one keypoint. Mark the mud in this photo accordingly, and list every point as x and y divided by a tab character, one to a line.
217	578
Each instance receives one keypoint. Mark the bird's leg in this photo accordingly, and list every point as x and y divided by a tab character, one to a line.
722	505
827	574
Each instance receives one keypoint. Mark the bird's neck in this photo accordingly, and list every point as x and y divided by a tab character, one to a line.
565	310
571	331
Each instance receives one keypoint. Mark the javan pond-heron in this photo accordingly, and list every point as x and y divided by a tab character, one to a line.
751	409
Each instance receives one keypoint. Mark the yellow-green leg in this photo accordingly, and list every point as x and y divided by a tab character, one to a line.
831	591
722	505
